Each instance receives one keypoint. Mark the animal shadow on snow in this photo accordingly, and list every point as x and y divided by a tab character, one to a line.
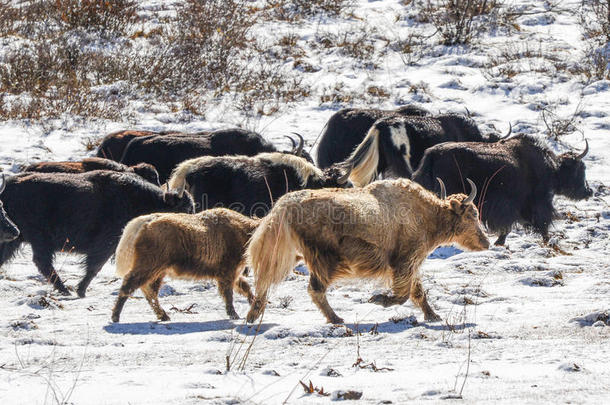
398	327
182	328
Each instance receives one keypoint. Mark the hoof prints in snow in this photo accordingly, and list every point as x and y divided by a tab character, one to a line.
551	279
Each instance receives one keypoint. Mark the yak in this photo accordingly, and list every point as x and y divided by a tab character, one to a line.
81	213
394	146
145	170
113	145
210	244
518	178
384	230
347	128
166	152
250	185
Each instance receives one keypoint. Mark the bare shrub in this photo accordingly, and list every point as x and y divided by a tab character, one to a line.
594	19
557	125
100	15
294	10
511	60
460	21
357	43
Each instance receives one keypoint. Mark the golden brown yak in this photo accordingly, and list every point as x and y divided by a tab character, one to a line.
210	244
384	230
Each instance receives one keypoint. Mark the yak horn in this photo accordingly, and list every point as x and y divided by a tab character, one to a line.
300	146
443	189
292	141
473	192
3	185
584	153
467	112
343	179
510	131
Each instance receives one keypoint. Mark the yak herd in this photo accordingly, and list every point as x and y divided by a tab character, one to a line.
207	204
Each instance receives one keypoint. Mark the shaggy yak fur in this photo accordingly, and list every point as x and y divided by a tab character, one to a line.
394	146
347	128
8	230
81	213
146	171
167	151
518	178
250	185
210	244
384	230
113	145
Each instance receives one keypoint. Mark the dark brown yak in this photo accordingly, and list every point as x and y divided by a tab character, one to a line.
210	244
384	230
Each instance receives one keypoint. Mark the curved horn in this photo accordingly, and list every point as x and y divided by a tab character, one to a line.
3	185
292	141
473	192
343	179
300	146
443	189
584	153
467	112
510	131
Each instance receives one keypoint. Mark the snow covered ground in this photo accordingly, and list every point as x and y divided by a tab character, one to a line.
523	324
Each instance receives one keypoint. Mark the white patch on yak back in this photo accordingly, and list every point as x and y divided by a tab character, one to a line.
400	138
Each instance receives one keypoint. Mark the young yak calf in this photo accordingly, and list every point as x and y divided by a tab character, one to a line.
210	244
384	230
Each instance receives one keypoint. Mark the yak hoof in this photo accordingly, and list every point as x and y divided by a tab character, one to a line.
336	320
65	292
380	299
115	318
164	317
432	317
81	294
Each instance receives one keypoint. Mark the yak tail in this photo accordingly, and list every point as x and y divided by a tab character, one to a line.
271	255
125	251
365	159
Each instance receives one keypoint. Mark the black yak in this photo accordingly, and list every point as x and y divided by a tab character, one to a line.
166	152
144	170
347	128
250	185
113	145
518	178
81	213
394	146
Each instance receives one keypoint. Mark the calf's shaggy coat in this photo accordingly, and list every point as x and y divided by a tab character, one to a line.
210	244
384	230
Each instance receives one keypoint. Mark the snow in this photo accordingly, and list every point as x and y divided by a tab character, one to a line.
525	323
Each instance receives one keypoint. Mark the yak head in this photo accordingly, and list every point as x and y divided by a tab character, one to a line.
147	172
8	230
179	199
337	176
571	175
467	231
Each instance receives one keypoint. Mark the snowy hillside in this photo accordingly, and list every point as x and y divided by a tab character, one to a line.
525	323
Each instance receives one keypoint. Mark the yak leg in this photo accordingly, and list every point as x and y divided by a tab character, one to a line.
317	291
44	261
401	288
418	296
501	239
151	292
132	281
94	264
226	292
242	287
